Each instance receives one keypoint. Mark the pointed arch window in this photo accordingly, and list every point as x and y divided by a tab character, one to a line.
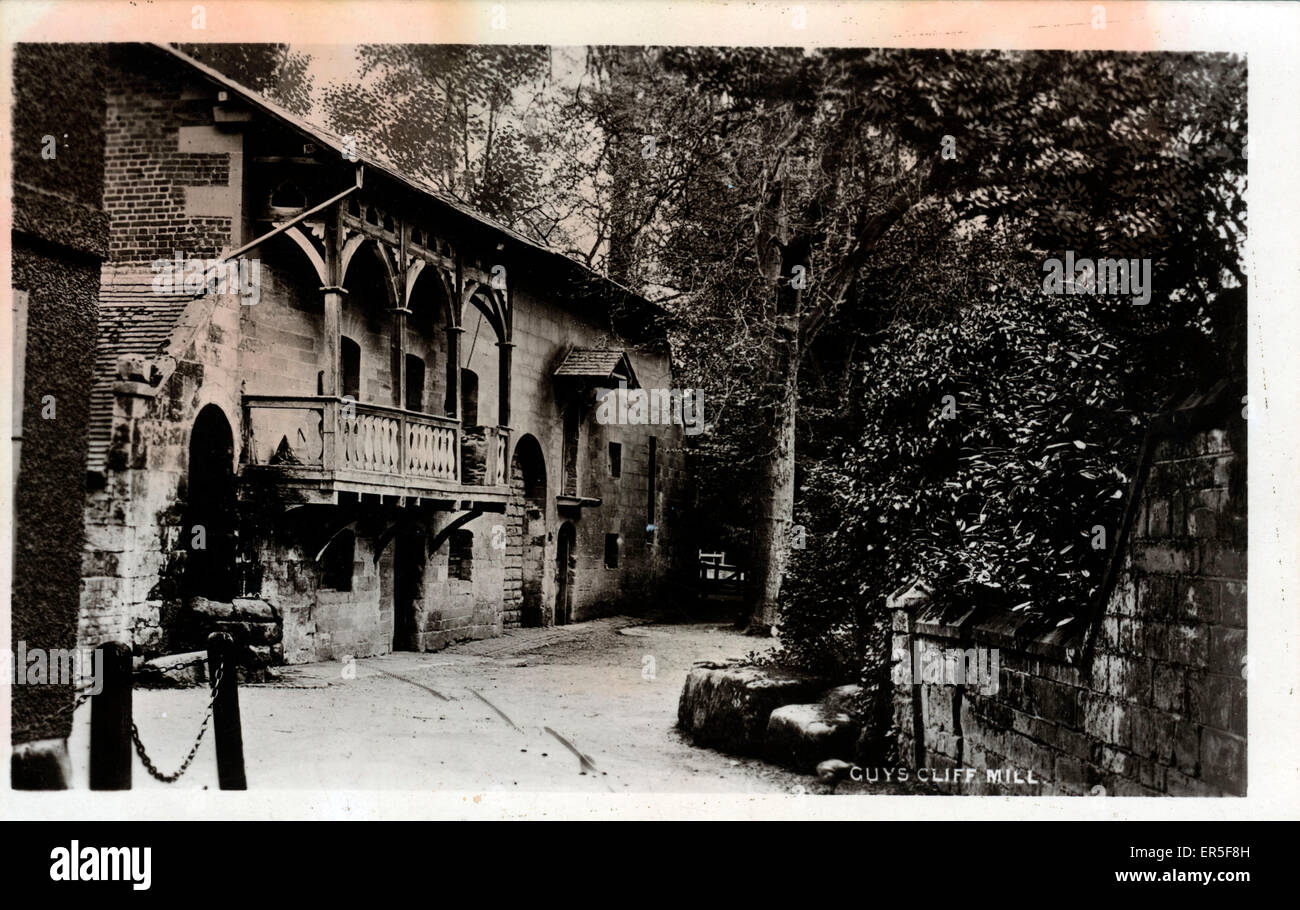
414	382
469	398
349	368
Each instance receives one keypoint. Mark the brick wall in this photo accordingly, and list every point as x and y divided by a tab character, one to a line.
161	144
1151	698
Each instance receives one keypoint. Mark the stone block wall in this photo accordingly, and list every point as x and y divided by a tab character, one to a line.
543	334
1150	699
454	609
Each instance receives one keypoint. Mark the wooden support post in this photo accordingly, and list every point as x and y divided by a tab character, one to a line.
333	329
503	382
110	722
333	290
225	712
452	404
400	379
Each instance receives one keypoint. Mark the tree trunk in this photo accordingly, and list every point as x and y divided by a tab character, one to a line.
775	513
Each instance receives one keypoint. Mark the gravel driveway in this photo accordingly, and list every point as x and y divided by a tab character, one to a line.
587	707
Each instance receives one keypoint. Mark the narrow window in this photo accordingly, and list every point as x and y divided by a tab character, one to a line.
611	551
650	491
460	556
615	459
572	429
469	398
414	382
350	368
337	563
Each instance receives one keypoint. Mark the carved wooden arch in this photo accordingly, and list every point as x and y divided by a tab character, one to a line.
314	255
446	284
393	285
492	303
349	250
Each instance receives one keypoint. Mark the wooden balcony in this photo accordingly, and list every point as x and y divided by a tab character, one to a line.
312	448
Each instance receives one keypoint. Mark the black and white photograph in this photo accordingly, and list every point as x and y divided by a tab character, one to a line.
700	418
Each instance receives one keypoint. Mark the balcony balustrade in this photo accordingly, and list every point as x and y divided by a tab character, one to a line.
336	445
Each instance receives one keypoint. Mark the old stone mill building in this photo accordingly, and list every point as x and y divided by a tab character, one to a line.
339	412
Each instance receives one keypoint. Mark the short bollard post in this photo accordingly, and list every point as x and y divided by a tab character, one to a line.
222	666
110	721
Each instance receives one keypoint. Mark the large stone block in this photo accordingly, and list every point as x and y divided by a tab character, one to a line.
240	609
1227	650
1233	604
1179	784
1184	747
1155	597
1223	760
1198	599
1151	731
1218	701
1167	688
727	706
843	700
250	633
803	736
173	670
1164	559
1222	559
1188	645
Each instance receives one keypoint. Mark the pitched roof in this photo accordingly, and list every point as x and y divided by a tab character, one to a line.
334	141
594	363
133	319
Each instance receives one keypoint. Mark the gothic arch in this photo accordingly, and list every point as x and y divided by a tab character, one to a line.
526	528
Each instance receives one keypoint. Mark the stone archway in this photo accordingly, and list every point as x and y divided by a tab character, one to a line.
211	516
566	564
526	537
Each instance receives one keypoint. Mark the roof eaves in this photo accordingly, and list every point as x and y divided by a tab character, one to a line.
335	142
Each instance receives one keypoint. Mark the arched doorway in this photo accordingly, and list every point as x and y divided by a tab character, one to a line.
208	534
526	536
408	589
566	565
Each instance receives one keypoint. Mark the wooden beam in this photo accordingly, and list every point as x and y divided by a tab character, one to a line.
456	524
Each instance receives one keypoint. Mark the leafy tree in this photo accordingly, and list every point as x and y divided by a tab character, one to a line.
274	70
828	154
452	115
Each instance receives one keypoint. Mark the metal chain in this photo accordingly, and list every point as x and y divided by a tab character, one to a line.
194	750
70	708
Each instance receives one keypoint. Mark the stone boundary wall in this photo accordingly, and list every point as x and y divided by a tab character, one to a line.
1150	698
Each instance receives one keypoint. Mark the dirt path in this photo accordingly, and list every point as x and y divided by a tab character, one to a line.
505	714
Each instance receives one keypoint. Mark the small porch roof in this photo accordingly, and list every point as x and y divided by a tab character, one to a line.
604	366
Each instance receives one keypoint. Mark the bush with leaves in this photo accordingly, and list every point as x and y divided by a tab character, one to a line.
991	458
